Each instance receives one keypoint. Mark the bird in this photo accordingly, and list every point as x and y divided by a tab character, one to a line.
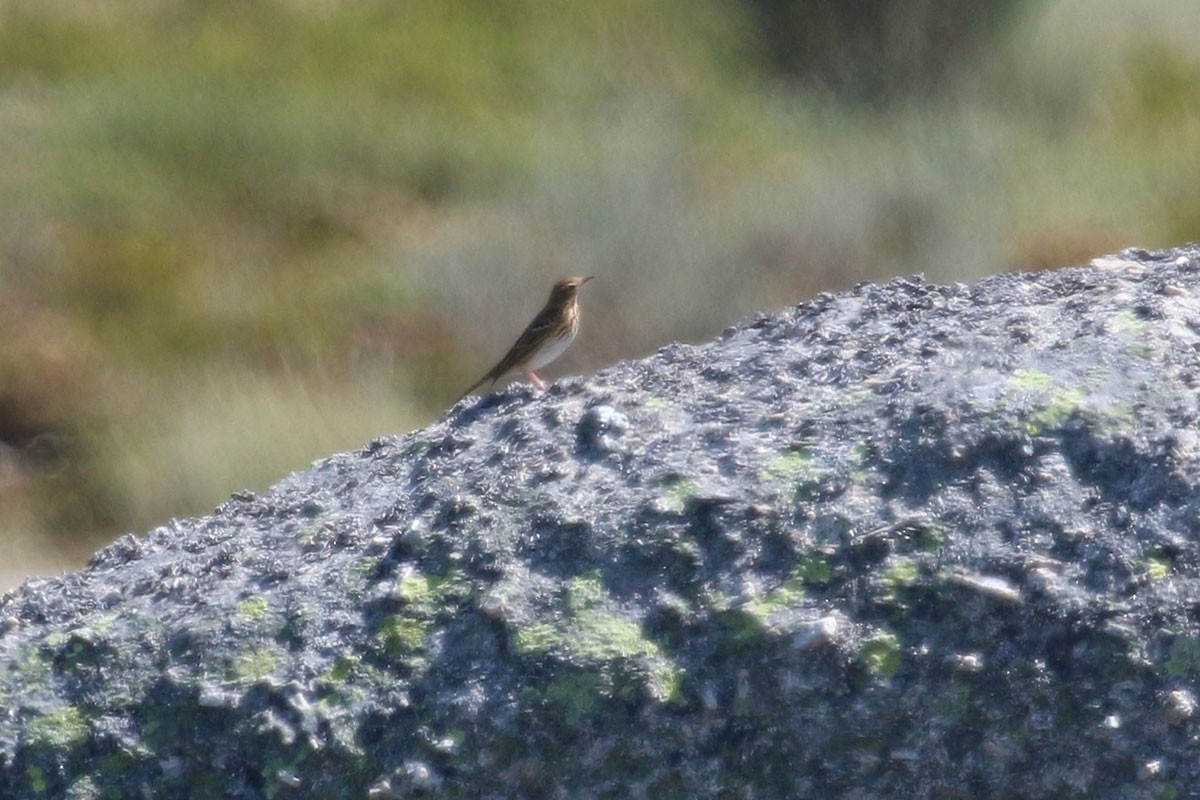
544	339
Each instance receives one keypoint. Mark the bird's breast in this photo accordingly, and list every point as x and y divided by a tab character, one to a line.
552	349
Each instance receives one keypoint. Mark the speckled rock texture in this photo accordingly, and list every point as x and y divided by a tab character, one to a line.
909	541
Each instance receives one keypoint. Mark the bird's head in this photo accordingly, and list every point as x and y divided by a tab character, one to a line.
565	288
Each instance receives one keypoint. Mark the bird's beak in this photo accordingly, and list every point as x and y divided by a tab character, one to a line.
585	280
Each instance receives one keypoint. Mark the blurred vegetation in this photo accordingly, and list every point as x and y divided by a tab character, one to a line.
236	235
879	51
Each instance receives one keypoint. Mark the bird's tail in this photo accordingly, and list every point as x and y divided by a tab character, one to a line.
473	387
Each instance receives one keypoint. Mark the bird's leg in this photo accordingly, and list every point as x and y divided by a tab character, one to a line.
538	382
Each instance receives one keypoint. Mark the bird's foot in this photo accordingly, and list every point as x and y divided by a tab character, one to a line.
538	382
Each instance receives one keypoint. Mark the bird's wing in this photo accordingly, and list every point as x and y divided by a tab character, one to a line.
529	340
527	343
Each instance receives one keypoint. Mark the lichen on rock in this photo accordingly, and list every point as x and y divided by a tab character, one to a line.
903	541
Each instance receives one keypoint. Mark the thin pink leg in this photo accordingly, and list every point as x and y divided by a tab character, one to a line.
538	382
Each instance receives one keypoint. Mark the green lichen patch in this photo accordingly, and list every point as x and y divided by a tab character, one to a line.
83	788
790	467
1113	420
744	622
815	570
348	683
115	764
1032	380
57	639
591	637
1157	567
62	729
423	600
1125	322
1057	403
677	493
739	629
1061	404
785	596
880	655
585	591
576	694
664	681
537	639
1183	657
597	637
341	670
35	779
418	589
901	574
99	627
429	595
929	538
80	649
252	608
402	635
860	467
252	666
611	649
795	473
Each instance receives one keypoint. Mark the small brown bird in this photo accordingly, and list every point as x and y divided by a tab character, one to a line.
545	339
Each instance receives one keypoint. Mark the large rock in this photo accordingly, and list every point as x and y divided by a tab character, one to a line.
910	541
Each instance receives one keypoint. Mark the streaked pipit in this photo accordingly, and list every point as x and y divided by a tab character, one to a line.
544	340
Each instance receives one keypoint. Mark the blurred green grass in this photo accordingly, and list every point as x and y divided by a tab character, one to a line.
237	235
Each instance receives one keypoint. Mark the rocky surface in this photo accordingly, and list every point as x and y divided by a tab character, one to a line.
909	541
